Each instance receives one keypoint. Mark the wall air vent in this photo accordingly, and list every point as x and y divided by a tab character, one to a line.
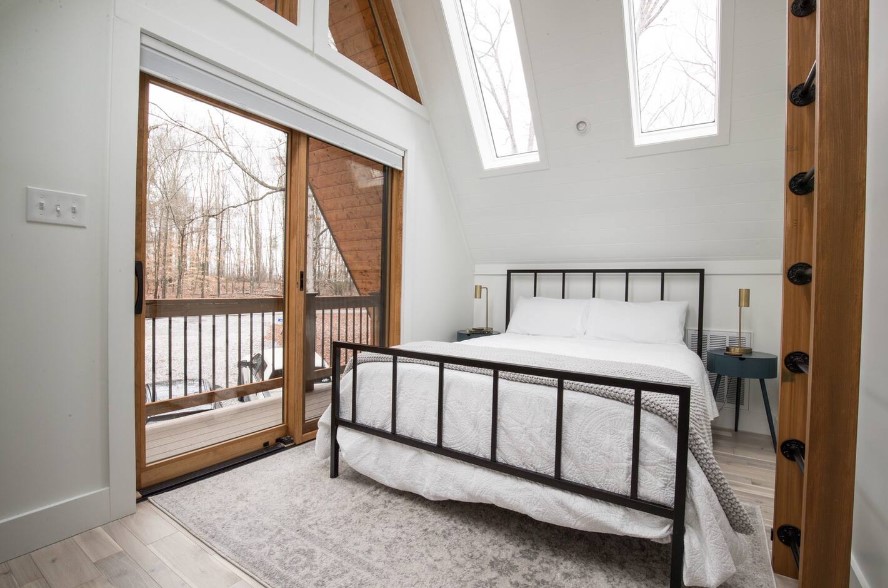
727	391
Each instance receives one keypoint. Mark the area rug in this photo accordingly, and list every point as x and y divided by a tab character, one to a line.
285	522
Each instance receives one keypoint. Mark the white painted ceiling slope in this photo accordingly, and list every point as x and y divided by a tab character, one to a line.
593	203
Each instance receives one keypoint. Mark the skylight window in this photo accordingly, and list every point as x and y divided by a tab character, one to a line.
485	43
673	48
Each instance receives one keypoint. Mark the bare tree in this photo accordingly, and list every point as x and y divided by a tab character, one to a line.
488	21
646	14
677	80
215	193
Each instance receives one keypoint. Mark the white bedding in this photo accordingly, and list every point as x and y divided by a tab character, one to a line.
676	357
596	447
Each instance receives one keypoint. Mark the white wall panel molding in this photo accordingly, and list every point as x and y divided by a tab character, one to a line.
32	530
766	267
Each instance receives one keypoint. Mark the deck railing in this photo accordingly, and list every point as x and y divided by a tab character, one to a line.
199	351
337	318
203	351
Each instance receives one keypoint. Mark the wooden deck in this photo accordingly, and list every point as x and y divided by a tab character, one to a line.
168	438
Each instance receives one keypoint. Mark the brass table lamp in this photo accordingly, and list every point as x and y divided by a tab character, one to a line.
486	328
738	349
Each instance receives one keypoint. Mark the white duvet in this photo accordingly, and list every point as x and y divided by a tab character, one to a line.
596	447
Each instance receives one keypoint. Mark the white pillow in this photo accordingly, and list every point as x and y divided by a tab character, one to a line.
639	322
548	316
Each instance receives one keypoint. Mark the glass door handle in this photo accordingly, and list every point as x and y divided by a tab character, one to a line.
140	286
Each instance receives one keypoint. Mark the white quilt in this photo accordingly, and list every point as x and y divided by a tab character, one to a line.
596	448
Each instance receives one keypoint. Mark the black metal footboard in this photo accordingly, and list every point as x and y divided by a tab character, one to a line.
676	512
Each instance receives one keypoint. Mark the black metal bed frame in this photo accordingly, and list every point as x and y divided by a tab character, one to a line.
675	512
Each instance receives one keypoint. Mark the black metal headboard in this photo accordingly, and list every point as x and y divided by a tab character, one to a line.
701	274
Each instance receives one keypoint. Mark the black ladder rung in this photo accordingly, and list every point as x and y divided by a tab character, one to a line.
797	362
803	8
794	450
805	93
792	538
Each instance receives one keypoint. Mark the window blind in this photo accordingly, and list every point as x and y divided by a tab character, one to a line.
179	67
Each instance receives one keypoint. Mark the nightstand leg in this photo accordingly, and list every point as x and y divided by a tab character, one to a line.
737	401
768	412
718	381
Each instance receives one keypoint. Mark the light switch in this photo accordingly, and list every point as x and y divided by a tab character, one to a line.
56	208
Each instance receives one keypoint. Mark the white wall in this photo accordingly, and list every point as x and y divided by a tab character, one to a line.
69	87
594	204
870	543
54	118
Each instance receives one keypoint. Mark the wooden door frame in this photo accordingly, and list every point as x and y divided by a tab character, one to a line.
294	318
395	256
294	299
140	254
823	318
295	272
394	260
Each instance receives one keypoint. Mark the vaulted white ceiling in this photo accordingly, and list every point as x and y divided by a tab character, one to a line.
597	200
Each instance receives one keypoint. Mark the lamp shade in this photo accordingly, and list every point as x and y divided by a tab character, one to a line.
744	298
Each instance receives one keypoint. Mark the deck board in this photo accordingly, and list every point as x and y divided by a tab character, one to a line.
164	439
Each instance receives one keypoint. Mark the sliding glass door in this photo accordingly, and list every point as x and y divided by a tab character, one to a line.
346	261
212	261
256	247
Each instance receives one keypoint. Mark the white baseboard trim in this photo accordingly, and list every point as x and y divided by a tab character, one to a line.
857	575
32	530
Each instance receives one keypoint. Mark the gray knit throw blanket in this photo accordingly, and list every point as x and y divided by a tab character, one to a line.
662	405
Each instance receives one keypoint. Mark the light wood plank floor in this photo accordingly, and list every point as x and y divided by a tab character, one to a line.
148	549
144	550
748	462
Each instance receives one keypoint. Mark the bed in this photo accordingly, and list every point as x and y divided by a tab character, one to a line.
598	435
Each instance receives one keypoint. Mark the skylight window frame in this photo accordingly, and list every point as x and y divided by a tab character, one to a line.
491	163
688	137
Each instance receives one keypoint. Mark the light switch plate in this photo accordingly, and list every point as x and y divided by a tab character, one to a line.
56	208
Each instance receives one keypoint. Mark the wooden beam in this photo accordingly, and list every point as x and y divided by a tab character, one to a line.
837	292
393	41
798	234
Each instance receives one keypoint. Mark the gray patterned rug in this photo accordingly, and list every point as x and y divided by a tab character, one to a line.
286	523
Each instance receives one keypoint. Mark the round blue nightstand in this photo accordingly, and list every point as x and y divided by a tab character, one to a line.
465	334
755	365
